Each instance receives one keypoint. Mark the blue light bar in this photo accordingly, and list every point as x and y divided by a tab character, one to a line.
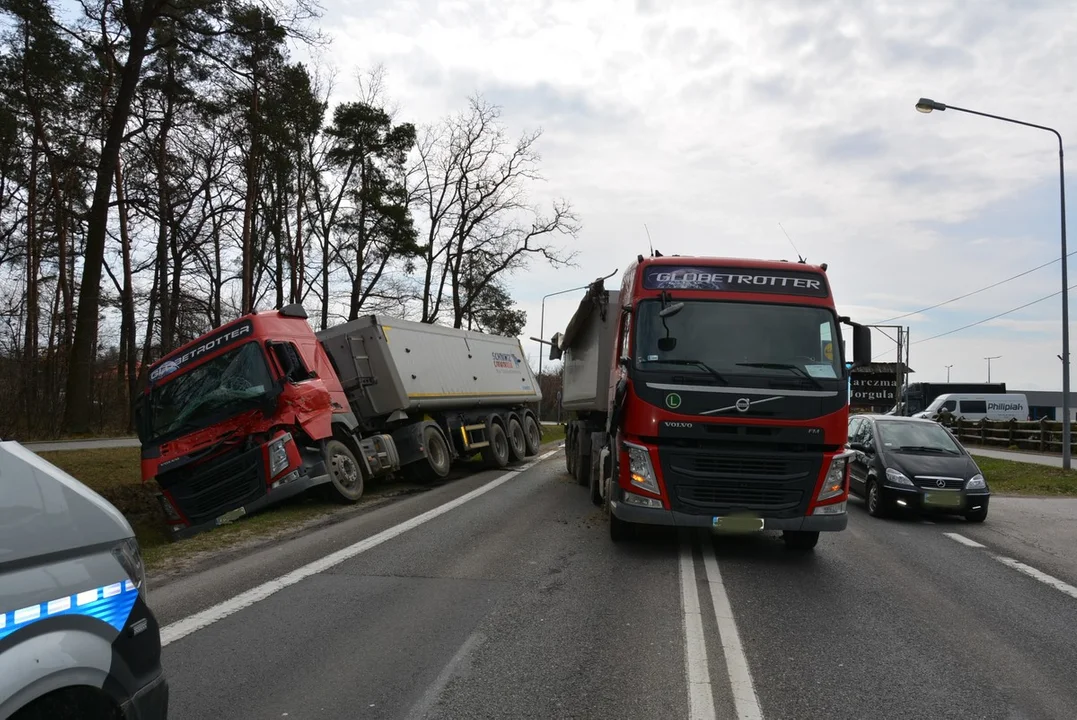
111	604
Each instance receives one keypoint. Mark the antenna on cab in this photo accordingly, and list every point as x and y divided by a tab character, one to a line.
800	258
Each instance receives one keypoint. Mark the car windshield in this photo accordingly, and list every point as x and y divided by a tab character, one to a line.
208	392
739	338
916	437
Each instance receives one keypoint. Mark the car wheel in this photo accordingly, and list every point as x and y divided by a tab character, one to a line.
976	516
875	502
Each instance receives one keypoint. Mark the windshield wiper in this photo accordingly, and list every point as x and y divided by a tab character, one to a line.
783	366
927	448
694	363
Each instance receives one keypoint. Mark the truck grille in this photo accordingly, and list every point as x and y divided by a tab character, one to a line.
203	491
718	482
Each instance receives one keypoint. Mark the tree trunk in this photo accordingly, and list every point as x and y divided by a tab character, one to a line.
78	401
127	360
250	200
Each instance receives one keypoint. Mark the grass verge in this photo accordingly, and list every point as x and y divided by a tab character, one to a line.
1008	477
553	433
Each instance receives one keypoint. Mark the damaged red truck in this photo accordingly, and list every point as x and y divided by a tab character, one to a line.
712	392
263	408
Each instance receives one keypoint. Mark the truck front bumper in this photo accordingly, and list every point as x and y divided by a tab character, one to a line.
318	476
660	516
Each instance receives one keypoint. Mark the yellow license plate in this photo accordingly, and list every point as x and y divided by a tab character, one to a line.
943	499
737	524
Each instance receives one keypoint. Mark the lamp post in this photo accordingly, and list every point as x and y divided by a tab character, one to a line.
948	372
989	359
926	105
542	313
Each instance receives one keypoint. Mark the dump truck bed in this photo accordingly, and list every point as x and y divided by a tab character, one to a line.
587	344
387	365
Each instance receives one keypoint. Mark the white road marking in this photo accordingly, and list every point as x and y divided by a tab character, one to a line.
1041	576
700	694
461	658
963	540
186	626
740	676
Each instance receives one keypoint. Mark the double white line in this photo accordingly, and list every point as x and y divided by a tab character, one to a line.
700	688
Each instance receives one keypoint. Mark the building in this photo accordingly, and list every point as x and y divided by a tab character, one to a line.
1047	404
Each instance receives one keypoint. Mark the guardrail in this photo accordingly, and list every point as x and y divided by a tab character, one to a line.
1044	436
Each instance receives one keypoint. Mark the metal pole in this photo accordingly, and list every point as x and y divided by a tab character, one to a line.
989	359
926	105
897	370
1065	316
542	332
948	372
542	313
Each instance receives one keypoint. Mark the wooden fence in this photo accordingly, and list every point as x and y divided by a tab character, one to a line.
1043	436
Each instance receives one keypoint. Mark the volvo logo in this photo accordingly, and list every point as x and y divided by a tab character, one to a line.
940	483
743	404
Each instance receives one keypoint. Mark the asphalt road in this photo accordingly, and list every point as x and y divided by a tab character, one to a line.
501	596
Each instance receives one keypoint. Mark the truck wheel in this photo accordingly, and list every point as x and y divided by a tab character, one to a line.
533	435
596	489
496	454
583	460
802	540
438	458
345	475
517	440
570	452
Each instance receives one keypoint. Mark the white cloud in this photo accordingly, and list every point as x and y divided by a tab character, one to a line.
713	123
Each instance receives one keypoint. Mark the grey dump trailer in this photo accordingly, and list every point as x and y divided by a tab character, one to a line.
586	351
439	393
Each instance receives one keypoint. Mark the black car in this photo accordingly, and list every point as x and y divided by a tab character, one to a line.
903	463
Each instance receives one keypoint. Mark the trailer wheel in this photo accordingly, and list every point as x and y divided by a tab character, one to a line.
496	454
438	458
532	434
345	475
517	440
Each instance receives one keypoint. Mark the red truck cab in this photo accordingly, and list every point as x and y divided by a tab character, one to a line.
227	421
728	399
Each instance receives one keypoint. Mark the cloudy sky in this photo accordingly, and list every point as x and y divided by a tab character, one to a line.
712	122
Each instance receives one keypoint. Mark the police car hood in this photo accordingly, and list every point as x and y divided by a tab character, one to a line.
43	510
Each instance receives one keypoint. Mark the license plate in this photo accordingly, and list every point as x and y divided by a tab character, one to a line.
231	515
737	524
943	499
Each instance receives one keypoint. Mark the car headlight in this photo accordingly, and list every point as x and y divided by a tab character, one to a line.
130	557
834	482
898	478
977	482
640	468
278	455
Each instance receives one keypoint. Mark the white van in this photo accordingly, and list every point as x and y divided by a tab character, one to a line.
1008	406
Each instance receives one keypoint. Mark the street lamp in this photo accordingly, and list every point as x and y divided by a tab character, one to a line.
989	359
542	314
948	372
926	105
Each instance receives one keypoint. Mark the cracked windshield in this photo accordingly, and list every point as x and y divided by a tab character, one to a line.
536	359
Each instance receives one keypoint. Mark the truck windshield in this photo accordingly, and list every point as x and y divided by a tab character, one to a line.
209	392
734	338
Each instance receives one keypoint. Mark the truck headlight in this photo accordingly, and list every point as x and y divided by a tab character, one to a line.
130	557
640	468
278	455
898	478
977	482
834	482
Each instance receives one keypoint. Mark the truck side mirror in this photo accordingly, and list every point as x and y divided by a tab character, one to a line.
861	345
555	347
